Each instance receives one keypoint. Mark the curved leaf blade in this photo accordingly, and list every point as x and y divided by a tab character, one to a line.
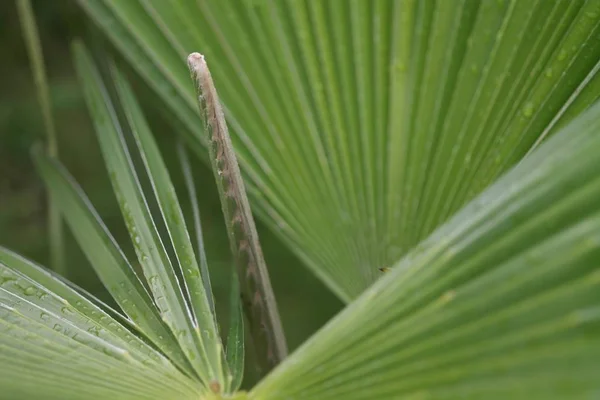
157	267
53	340
108	260
500	302
116	334
362	126
188	176
194	281
235	336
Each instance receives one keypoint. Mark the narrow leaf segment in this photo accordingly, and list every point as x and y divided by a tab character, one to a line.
501	302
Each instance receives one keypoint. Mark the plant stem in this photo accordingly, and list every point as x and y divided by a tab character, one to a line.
34	51
257	294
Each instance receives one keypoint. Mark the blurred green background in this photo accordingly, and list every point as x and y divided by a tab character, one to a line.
304	303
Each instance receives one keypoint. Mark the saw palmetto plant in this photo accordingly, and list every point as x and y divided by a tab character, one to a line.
435	163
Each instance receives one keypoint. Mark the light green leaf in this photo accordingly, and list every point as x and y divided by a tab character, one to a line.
362	126
56	342
71	298
195	283
108	260
502	301
235	337
188	176
199	347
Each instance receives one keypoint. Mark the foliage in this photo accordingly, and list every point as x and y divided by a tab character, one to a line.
367	135
360	126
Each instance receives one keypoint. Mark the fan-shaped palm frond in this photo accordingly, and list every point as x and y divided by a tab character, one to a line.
501	302
362	125
59	343
166	343
367	132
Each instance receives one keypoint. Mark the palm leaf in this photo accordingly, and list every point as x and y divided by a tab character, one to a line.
235	338
59	344
193	325
108	260
49	322
502	301
361	126
186	168
201	301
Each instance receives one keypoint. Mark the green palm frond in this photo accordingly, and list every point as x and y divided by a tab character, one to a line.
166	341
501	302
362	125
108	260
56	343
194	328
434	162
